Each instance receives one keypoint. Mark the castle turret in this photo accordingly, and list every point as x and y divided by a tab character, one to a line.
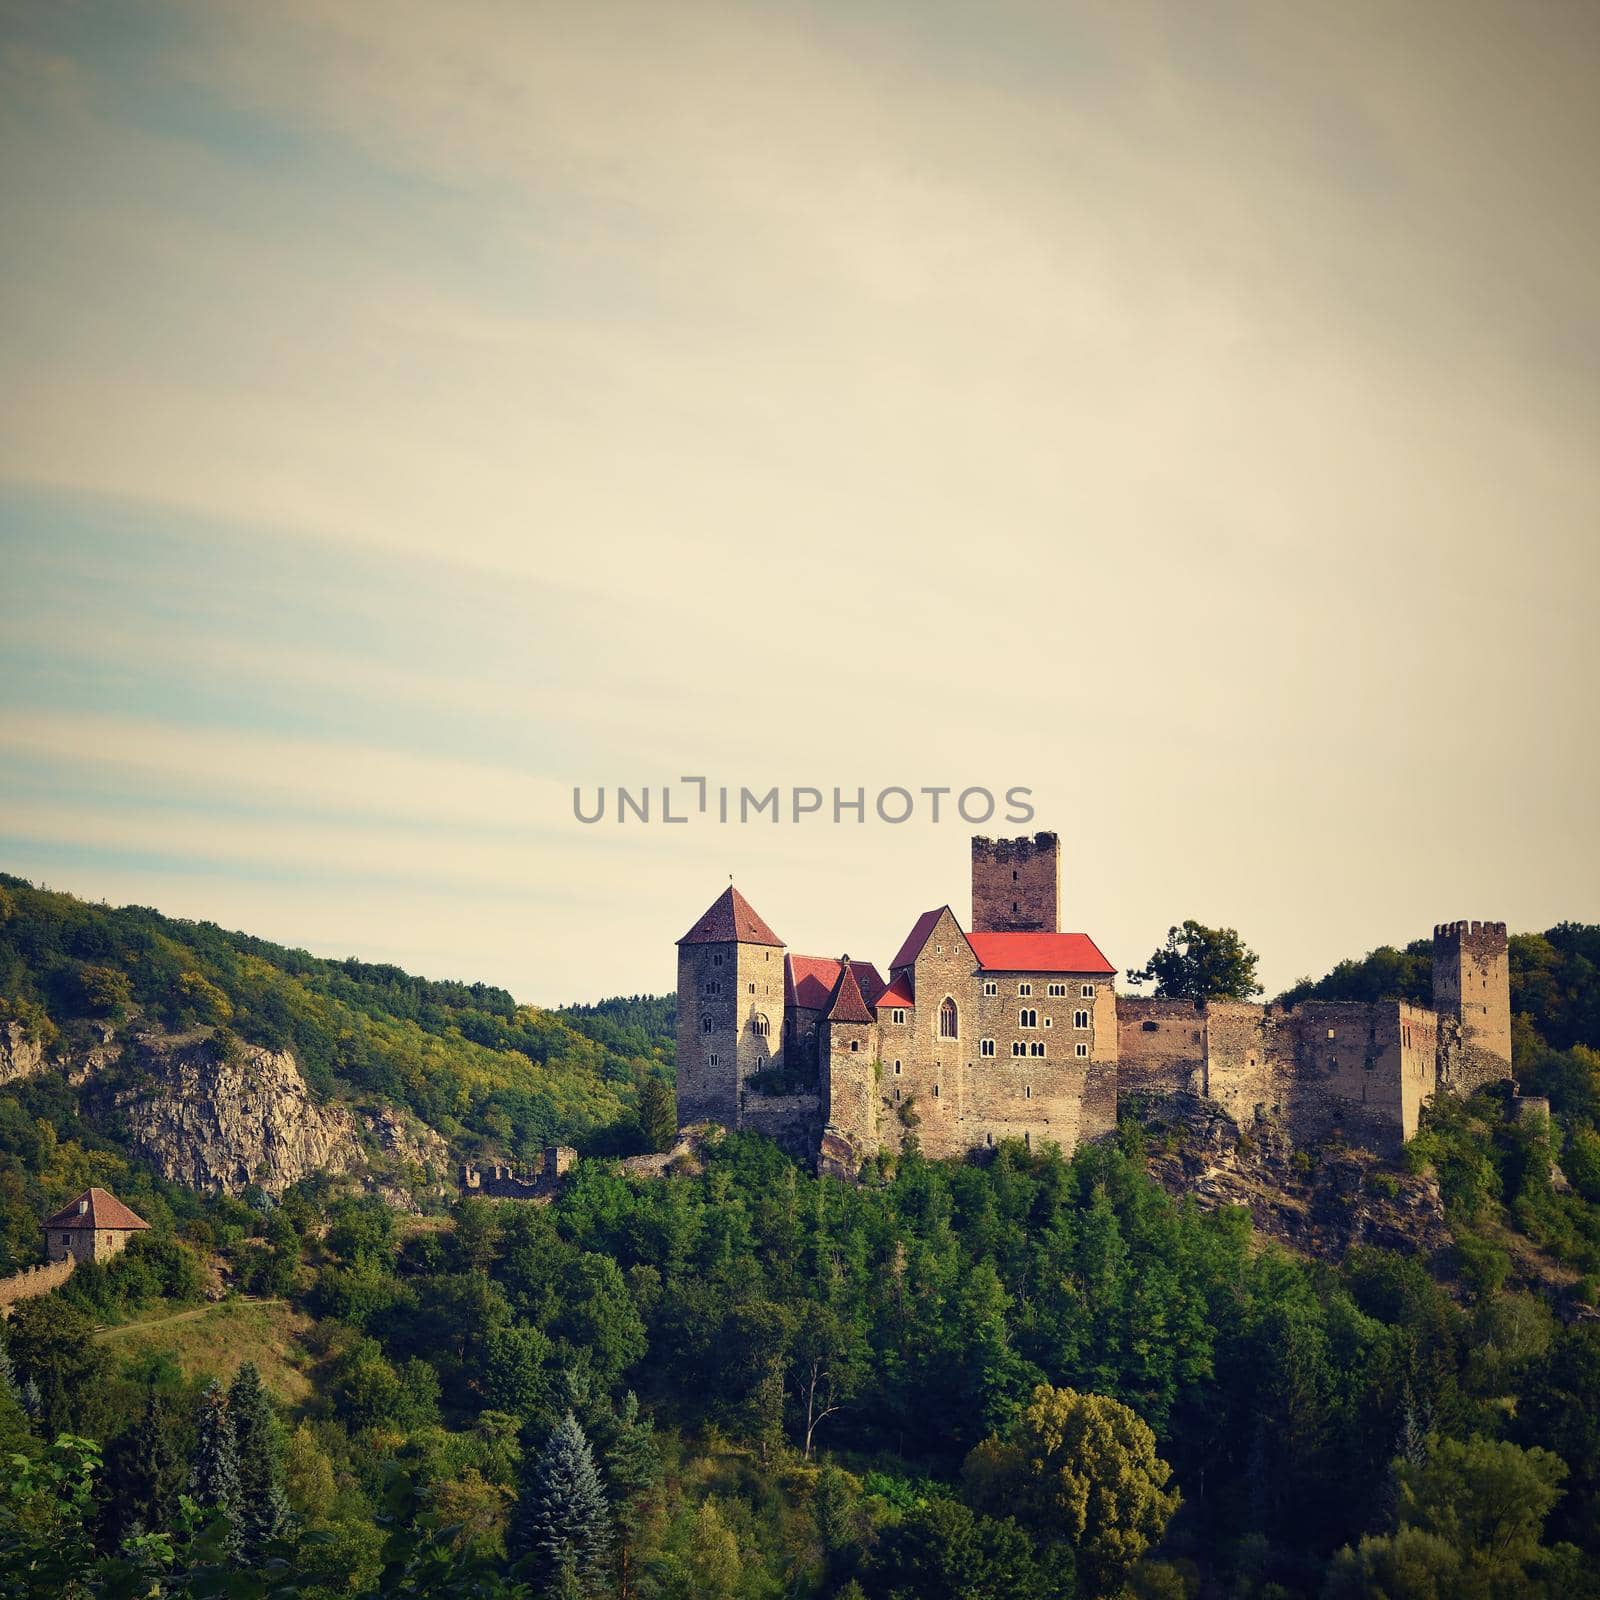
730	1008
1016	884
1472	986
848	1051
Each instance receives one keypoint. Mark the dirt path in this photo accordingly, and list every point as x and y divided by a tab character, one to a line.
112	1330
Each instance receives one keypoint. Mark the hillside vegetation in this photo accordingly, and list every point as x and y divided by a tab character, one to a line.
1030	1378
465	1057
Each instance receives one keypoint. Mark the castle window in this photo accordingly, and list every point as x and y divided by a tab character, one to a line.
714	1059
991	987
947	1019
1027	1091
1014	908
1049	1022
1149	1027
761	1026
897	1094
1087	991
713	987
986	1047
1018	1048
1013	874
716	960
897	1069
1027	1018
1036	1048
706	1024
1056	990
936	1091
752	988
938	949
988	1139
1330	1033
1024	988
855	1044
1027	1140
897	1014
1080	1051
1080	1019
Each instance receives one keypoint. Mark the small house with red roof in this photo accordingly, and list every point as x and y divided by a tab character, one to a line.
94	1227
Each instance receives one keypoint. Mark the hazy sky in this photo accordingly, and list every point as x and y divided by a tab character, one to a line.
409	411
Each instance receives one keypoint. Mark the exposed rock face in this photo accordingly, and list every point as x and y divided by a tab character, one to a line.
1317	1201
20	1056
220	1122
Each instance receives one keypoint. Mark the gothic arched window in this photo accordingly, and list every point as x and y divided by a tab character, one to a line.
761	1025
947	1019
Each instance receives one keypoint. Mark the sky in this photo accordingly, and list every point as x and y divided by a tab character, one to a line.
412	413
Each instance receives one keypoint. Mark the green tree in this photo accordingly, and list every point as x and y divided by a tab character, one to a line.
214	1465
1200	963
658	1114
941	1550
1080	1469
562	1521
144	1472
263	1506
631	1463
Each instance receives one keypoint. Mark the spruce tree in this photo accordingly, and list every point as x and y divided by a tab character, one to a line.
214	1466
562	1520
263	1509
632	1470
144	1473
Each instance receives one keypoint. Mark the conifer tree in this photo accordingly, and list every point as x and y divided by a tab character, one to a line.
214	1467
632	1470
144	1473
263	1507
562	1521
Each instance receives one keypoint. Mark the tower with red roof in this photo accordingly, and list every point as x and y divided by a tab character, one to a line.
730	1009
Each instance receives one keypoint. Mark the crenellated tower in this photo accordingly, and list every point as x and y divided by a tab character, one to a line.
1016	884
730	1008
1472	987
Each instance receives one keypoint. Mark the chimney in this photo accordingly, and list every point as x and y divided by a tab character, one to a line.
83	1208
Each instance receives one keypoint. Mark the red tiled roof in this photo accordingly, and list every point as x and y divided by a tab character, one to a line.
731	919
848	1006
100	1210
809	980
1038	952
898	993
917	937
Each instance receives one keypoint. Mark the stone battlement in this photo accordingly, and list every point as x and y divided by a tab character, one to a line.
34	1281
502	1182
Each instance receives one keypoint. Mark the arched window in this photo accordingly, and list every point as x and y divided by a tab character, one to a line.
706	1024
947	1019
761	1025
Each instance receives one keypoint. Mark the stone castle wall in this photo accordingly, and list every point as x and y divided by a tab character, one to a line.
34	1281
1322	1070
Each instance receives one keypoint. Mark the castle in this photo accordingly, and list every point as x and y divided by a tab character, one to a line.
1015	1030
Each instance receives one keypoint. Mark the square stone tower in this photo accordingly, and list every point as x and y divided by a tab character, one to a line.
730	1008
1016	884
1472	984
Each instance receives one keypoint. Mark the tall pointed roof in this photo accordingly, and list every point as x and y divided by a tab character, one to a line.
921	932
731	919
848	1004
94	1208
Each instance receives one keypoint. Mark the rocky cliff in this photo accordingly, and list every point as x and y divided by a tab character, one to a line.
20	1055
217	1114
1317	1201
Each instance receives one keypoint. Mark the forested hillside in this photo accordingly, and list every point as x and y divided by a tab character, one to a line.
466	1058
1032	1377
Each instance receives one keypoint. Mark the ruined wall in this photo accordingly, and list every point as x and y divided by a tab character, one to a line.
1242	1065
792	1121
1016	884
1161	1047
